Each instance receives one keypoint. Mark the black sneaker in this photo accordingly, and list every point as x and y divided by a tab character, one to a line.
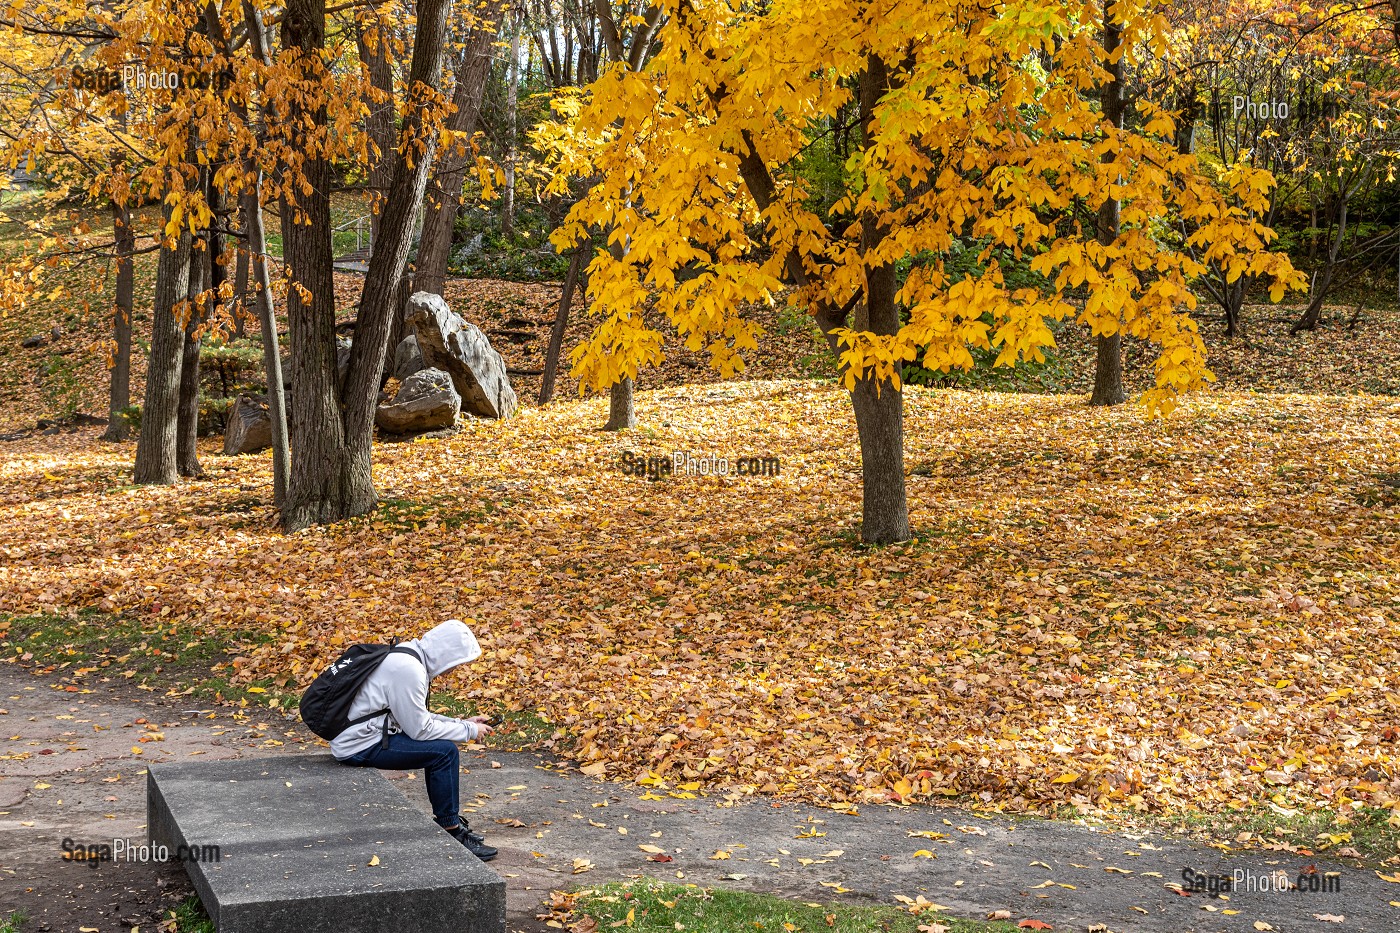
475	844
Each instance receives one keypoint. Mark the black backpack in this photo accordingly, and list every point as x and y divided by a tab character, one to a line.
325	706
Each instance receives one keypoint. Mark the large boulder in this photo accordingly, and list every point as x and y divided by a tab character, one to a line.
426	401
462	351
342	361
248	426
407	359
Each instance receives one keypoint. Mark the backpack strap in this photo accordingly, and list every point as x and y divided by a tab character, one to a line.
397	649
384	734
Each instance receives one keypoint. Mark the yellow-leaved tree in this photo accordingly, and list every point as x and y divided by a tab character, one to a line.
976	120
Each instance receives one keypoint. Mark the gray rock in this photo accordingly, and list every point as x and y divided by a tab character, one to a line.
407	359
30	343
463	352
342	360
56	332
426	401
249	426
469	249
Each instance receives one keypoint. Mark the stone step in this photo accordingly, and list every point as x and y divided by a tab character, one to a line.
296	836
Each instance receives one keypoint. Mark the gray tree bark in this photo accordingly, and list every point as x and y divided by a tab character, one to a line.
561	323
320	487
267	328
119	394
187	421
155	446
622	410
444	197
1108	368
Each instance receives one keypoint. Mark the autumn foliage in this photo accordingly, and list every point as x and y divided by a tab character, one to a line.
985	126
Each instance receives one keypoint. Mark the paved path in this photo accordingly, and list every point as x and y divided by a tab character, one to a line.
544	820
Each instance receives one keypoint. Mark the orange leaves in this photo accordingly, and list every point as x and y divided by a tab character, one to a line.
1081	579
701	165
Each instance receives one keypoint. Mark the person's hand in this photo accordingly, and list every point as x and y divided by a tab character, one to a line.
482	725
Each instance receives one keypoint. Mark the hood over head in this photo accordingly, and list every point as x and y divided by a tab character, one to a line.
447	646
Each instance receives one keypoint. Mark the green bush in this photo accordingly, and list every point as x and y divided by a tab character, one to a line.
131	414
227	369
63	393
525	257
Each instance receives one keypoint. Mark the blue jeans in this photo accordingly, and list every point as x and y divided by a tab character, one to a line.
437	759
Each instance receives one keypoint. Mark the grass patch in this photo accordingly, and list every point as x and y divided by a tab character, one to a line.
95	647
1373	833
190	917
516	730
13	922
650	906
436	512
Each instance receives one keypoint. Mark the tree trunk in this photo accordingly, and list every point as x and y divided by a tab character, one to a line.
155	447
119	396
267	327
622	410
1313	315
379	122
1234	307
238	305
399	328
1312	228
1186	127
1108	369
187	422
332	432
382	299
512	99
879	407
561	323
216	272
445	193
880	424
320	486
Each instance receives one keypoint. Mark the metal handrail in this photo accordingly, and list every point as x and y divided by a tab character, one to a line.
359	224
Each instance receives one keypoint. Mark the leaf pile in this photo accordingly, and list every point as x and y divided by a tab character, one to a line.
1099	610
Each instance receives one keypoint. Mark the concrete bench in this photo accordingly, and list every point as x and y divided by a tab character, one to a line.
296	836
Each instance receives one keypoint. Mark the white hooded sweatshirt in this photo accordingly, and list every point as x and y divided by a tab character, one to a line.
400	685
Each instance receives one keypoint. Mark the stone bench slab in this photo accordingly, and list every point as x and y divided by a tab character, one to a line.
295	839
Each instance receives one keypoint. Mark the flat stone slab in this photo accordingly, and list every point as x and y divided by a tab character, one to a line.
296	837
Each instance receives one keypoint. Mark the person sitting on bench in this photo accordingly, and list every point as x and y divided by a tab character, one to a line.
410	737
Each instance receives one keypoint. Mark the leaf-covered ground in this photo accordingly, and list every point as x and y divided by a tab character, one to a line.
1099	610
